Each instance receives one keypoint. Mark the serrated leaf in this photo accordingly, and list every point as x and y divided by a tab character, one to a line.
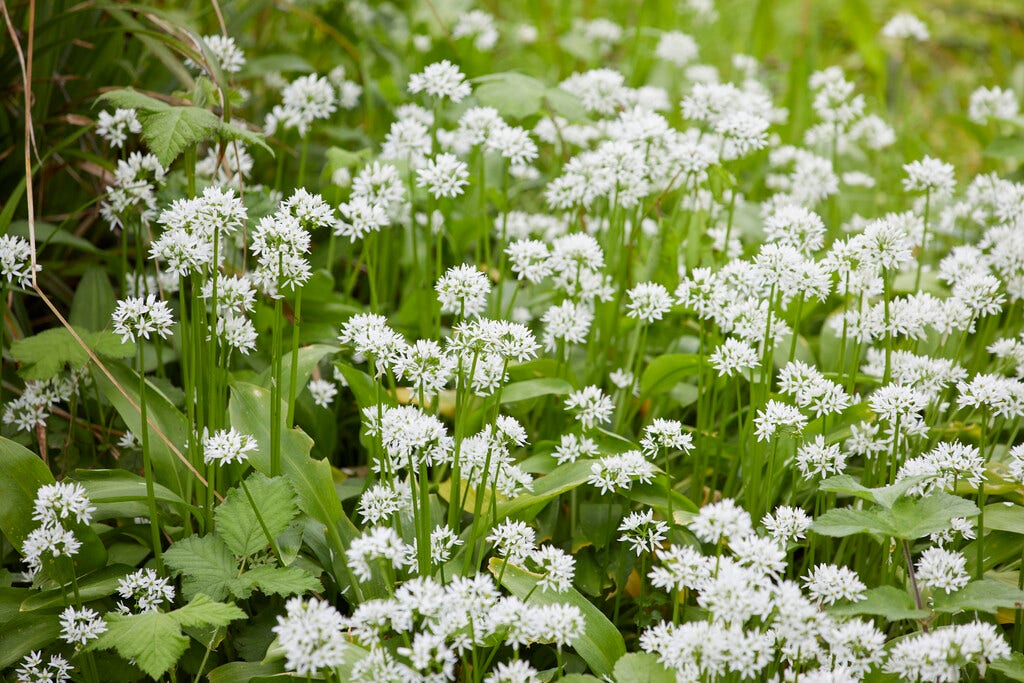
152	639
1012	668
167	133
202	611
283	581
641	667
986	595
129	98
885	601
231	131
601	644
46	354
206	564
237	523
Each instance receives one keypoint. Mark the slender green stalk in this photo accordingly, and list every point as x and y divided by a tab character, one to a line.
147	461
292	389
275	393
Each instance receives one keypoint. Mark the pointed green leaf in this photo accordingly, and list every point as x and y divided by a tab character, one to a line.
168	132
283	581
21	475
206	565
562	479
24	633
237	523
986	595
532	388
641	667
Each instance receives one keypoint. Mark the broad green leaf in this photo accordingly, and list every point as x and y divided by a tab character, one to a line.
24	633
94	302
986	595
168	468
656	495
309	357
152	639
206	565
237	523
283	581
21	475
913	518
1012	668
129	98
532	388
565	104
908	519
1005	517
885	496
601	644
664	372
120	493
202	611
562	479
99	584
230	131
48	353
885	601
1008	149
169	132
363	387
641	667
244	672
579	678
513	94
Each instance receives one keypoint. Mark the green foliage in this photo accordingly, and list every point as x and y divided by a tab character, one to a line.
237	523
907	519
47	354
153	640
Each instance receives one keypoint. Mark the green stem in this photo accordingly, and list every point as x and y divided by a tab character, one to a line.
154	517
295	359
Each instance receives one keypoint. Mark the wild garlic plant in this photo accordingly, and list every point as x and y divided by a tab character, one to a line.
649	362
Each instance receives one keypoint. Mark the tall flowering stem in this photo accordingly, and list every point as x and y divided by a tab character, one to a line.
147	463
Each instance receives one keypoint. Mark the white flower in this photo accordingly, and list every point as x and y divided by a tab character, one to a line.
572	447
463	291
590	405
78	627
787	523
227	446
642	532
441	80
677	48
929	175
905	26
992	103
323	392
443	176
310	633
513	540
648	302
557	567
721	521
734	357
377	543
828	583
55	503
32	669
618	471
114	128
665	434
775	415
230	57
942	653
137	317
146	588
52	541
941	568
816	459
442	542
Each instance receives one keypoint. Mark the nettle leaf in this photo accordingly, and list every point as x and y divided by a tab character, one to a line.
231	131
168	133
129	98
154	639
986	595
1012	668
237	523
45	355
885	601
283	581
206	564
885	496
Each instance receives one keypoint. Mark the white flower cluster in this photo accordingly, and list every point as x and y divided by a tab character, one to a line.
57	507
